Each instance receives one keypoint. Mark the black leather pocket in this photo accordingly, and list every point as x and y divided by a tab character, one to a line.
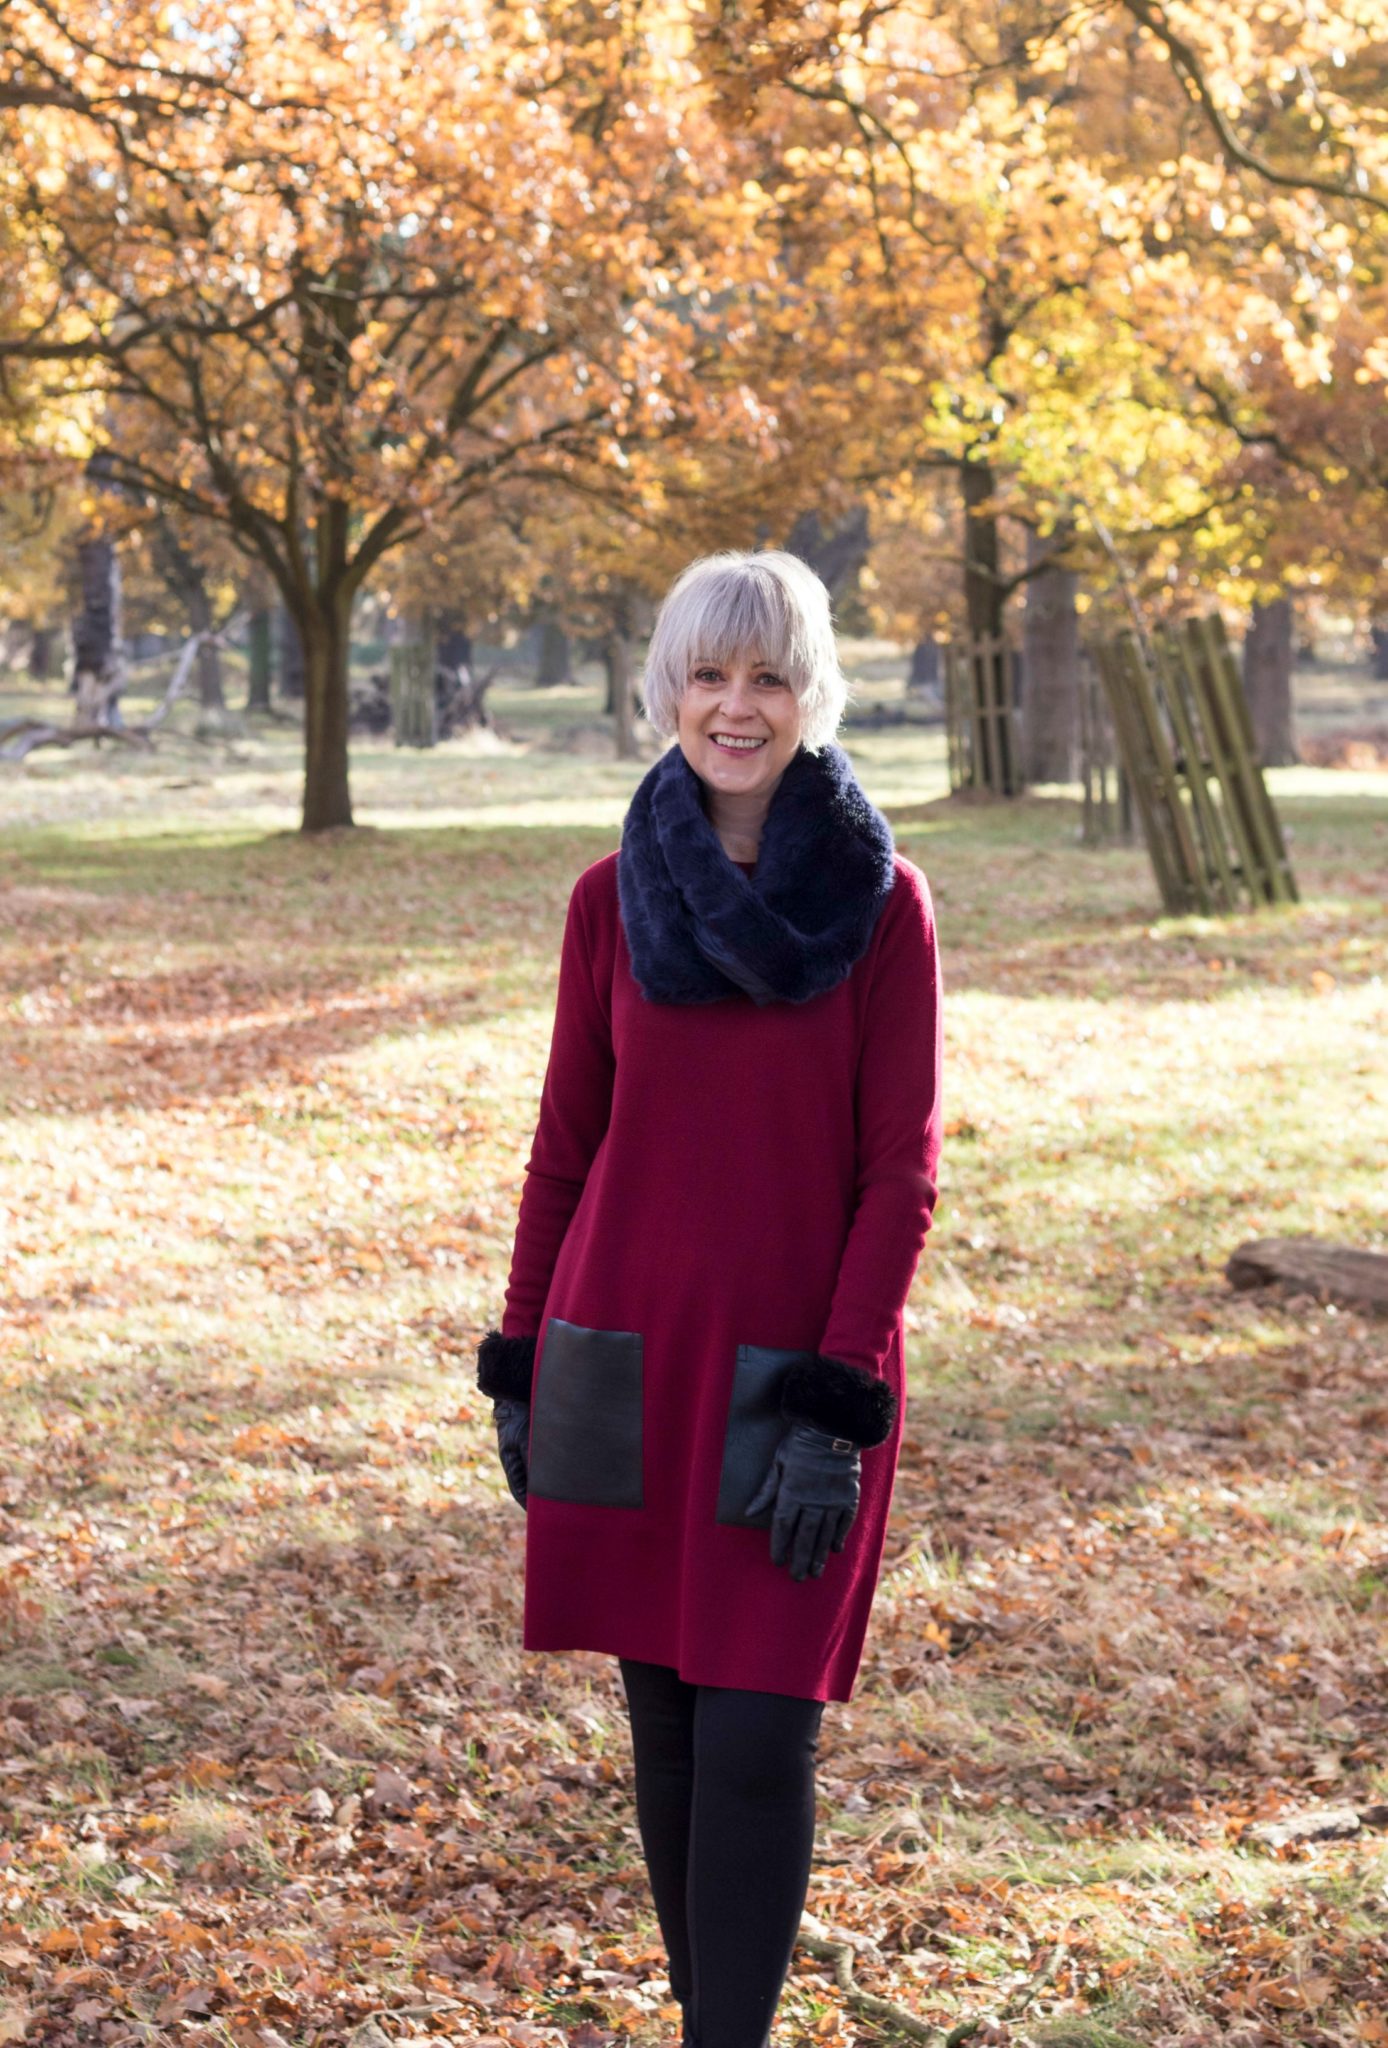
755	1427
585	1432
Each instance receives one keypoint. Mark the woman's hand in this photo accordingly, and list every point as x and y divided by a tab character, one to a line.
505	1371
814	1483
513	1441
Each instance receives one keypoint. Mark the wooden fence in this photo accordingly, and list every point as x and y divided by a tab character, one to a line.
1106	793
1185	739
981	716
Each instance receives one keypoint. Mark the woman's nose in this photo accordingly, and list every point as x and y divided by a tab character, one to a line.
738	697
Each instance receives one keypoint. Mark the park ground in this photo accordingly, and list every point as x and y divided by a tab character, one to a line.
274	1770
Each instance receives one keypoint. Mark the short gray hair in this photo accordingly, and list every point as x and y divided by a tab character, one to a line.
770	604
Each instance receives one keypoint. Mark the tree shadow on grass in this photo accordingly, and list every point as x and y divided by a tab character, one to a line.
286	971
156	1042
302	954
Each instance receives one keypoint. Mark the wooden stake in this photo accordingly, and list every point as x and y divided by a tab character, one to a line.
1190	738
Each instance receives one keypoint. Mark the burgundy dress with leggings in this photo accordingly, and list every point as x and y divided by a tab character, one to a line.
714	1189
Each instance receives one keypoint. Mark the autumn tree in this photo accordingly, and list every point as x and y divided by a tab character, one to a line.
361	272
965	267
367	275
1014	218
1268	170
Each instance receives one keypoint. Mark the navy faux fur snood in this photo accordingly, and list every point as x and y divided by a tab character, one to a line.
699	930
505	1366
840	1398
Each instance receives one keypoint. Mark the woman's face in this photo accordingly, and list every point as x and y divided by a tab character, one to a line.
739	726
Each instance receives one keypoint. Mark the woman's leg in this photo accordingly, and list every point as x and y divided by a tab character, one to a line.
661	1706
751	1840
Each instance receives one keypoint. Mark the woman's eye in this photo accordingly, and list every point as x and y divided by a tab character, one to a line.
715	675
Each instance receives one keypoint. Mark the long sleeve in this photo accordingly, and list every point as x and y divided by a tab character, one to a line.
898	1127
575	1107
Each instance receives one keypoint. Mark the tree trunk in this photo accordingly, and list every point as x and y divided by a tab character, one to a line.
210	693
617	655
1051	657
325	635
1267	681
1378	635
983	596
41	654
925	666
413	695
292	665
258	662
183	574
96	631
836	550
454	642
554	656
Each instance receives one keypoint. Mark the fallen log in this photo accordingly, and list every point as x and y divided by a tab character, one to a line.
1312	1265
23	736
1319	1824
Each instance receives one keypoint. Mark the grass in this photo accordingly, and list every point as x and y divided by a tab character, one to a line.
266	1107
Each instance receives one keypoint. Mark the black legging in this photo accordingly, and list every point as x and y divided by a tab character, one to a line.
725	1804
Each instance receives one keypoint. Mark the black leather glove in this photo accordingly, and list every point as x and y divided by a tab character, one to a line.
814	1483
505	1368
512	1441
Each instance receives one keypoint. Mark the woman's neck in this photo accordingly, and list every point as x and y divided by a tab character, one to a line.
738	821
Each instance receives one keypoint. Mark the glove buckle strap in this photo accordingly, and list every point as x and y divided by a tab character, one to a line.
844	1443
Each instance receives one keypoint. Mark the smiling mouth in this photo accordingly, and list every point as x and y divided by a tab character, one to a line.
728	745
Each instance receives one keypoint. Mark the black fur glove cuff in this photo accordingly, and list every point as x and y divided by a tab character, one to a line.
839	1398
505	1366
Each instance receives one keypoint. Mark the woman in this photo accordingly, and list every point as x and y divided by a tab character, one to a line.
698	1379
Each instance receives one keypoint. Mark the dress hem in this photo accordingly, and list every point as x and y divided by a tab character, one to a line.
685	1670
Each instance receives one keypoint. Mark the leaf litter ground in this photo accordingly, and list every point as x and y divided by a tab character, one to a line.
274	1769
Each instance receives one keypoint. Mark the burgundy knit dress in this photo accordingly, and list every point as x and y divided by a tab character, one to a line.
712	1187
